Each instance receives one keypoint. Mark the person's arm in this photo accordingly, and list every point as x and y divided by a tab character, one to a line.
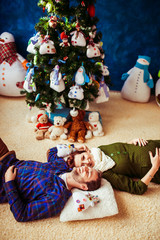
124	183
155	160
23	210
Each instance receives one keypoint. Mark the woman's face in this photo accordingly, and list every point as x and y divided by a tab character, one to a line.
84	159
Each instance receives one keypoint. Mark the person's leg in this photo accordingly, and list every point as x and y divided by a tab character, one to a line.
3	148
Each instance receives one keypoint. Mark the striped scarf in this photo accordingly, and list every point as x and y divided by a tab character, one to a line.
8	52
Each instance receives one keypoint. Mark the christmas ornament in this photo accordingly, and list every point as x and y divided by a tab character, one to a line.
138	81
47	46
157	90
76	92
29	85
93	32
93	50
49	7
81	77
12	67
103	92
91	10
33	42
53	22
104	69
77	37
64	38
56	80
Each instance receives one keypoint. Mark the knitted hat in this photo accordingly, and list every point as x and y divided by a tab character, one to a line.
102	161
148	59
39	115
63	35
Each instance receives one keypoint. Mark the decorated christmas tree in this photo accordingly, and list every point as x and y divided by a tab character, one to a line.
66	60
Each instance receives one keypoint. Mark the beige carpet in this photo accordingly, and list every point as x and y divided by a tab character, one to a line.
139	216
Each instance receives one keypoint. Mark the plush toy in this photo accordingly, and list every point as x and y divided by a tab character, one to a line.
12	67
81	77
64	38
42	127
34	42
63	150
77	127
47	46
157	90
77	37
76	92
58	130
138	81
56	80
97	129
53	22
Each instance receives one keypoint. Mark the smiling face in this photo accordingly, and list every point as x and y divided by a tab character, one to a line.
84	174
84	159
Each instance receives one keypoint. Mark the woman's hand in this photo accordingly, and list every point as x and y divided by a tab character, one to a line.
155	160
82	148
139	141
10	173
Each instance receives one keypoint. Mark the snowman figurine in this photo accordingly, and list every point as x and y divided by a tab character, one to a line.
157	90
139	82
12	67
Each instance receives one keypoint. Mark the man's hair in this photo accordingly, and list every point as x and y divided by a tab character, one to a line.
70	159
94	185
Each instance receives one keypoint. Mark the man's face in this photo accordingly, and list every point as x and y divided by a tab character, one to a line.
84	159
84	174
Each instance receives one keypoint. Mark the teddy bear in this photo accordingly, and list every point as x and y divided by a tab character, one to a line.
77	127
42	127
57	130
97	129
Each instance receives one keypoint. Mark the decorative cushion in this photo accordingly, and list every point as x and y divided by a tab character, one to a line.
106	207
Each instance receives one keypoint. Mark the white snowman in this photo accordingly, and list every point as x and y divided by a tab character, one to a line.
12	67
157	90
138	84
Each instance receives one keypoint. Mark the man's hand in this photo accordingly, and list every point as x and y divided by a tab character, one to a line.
10	173
156	159
82	148
139	141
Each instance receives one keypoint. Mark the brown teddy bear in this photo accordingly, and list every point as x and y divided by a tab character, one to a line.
42	127
77	127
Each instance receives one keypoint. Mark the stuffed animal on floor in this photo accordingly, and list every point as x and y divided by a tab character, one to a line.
138	81
58	130
42	127
12	67
97	129
77	127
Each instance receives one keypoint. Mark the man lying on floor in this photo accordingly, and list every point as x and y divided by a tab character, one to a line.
38	190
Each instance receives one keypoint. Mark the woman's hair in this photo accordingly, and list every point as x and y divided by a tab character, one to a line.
70	159
94	185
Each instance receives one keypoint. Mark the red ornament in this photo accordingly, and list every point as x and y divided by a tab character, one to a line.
91	10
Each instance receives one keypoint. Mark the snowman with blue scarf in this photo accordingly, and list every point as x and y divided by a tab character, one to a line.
138	81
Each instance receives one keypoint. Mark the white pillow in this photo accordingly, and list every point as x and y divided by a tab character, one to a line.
106	207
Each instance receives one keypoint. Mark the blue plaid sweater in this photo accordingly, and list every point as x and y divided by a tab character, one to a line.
37	192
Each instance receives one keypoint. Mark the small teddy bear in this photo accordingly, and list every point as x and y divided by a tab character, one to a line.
97	129
57	130
77	127
42	127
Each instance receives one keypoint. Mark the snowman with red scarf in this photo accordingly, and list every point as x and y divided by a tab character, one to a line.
12	67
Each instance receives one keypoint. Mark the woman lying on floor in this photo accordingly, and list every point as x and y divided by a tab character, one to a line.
120	163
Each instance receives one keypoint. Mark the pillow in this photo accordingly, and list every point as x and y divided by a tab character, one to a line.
107	205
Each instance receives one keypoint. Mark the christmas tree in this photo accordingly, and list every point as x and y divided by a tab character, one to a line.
66	59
